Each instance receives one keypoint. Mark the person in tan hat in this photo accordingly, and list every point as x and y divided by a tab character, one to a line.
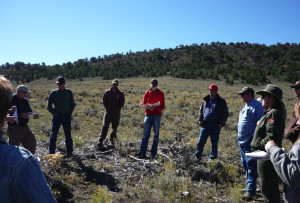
250	114
18	131
269	127
113	101
287	165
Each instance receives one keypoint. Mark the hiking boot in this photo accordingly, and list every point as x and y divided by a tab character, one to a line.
196	160
152	157
141	156
112	142
69	154
100	146
247	197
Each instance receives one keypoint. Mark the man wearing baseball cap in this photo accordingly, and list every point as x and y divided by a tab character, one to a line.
61	105
293	127
250	114
152	118
113	101
21	177
18	131
213	115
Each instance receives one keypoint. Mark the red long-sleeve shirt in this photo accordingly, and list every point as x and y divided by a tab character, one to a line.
151	97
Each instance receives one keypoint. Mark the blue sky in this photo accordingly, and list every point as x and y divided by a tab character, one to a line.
59	31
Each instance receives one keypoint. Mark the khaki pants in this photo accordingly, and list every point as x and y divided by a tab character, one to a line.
21	135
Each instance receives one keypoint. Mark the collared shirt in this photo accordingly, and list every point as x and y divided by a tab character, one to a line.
22	107
249	116
269	127
61	102
113	101
21	178
152	97
210	113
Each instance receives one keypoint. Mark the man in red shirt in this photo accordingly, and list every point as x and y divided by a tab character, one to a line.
154	102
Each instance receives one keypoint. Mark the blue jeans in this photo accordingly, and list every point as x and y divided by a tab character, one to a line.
250	166
206	130
65	121
149	121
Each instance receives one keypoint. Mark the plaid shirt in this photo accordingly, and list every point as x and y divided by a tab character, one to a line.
249	116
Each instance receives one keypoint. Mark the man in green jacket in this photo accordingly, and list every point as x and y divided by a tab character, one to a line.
61	105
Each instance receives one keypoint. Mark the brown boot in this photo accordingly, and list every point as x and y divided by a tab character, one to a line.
247	197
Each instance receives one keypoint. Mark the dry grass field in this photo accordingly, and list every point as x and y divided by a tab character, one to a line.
114	175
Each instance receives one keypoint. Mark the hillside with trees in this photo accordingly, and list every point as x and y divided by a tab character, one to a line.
249	63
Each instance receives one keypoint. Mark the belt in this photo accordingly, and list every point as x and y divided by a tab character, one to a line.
64	113
210	123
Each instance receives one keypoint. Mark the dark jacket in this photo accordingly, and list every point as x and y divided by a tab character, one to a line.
221	108
113	101
22	107
292	130
269	127
63	102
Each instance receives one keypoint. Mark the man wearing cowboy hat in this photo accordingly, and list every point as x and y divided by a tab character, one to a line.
269	127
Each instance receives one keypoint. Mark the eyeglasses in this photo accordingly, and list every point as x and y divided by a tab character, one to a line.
297	88
244	94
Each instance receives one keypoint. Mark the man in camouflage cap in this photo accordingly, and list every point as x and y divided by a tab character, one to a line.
248	118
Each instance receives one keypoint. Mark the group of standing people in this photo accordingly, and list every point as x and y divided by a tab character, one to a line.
261	126
264	129
153	102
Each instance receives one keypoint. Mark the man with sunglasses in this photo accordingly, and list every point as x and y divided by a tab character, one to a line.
113	101
61	105
248	118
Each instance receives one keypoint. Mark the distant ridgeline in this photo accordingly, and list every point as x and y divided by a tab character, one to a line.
249	63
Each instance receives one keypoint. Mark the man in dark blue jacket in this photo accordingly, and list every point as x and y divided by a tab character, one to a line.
213	115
